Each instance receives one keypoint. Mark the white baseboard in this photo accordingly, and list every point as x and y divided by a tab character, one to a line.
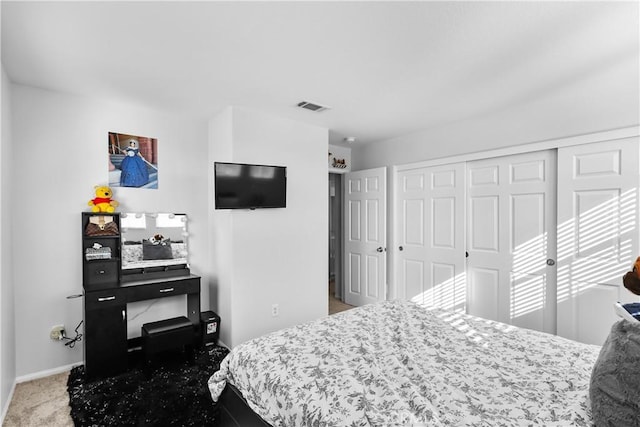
46	373
5	409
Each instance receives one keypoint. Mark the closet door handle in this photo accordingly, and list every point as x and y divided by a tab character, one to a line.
379	249
166	290
551	262
400	248
103	299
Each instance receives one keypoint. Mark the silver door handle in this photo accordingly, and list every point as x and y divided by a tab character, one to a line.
102	299
166	290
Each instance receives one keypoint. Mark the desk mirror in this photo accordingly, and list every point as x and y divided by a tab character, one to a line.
153	242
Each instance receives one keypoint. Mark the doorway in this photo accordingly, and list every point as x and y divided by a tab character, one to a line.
335	291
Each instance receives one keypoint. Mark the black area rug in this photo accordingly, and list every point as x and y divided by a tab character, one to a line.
176	394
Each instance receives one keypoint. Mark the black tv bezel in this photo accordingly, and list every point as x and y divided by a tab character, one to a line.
215	187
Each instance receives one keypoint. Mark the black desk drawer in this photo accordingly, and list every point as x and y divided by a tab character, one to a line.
95	300
165	289
101	272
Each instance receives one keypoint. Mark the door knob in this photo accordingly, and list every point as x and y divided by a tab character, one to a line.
400	248
380	249
550	262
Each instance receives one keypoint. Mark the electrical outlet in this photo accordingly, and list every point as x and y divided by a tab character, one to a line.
275	310
57	332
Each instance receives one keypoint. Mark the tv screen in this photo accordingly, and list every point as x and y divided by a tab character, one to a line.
244	186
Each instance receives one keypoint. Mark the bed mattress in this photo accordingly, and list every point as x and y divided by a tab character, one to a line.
397	363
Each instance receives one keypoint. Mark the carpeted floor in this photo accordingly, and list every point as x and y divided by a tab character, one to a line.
335	305
175	394
41	402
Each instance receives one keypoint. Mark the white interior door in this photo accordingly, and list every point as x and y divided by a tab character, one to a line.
365	234
511	218
430	254
597	234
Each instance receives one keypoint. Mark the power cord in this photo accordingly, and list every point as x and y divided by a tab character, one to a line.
71	342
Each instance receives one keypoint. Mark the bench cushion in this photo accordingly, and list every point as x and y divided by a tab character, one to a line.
166	325
167	334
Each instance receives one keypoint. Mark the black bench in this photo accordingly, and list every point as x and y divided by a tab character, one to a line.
169	334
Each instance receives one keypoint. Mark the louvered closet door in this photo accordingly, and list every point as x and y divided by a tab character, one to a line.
430	226
510	236
597	234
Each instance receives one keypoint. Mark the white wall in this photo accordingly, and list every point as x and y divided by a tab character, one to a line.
249	259
273	256
221	227
605	99
59	154
7	319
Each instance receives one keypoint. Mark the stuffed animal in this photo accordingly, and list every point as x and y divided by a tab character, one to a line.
631	280
102	202
157	239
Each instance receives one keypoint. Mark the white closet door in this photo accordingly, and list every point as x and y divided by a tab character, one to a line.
597	234
430	226
365	234
511	218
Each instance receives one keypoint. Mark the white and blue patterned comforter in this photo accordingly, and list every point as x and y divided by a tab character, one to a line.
400	364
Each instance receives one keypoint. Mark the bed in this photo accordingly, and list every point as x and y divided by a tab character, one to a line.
397	363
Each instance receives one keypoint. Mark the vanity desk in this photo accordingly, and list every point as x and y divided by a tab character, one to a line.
105	316
109	287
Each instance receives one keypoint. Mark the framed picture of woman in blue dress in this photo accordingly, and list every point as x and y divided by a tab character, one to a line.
133	161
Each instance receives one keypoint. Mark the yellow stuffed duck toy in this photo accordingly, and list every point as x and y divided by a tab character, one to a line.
103	202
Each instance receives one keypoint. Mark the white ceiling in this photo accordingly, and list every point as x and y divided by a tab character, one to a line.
386	68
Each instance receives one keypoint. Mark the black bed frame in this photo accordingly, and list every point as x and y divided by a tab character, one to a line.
235	412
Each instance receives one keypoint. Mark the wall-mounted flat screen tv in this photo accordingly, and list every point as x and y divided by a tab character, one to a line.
246	186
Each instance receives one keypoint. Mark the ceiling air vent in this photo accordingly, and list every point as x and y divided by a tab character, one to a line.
312	107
